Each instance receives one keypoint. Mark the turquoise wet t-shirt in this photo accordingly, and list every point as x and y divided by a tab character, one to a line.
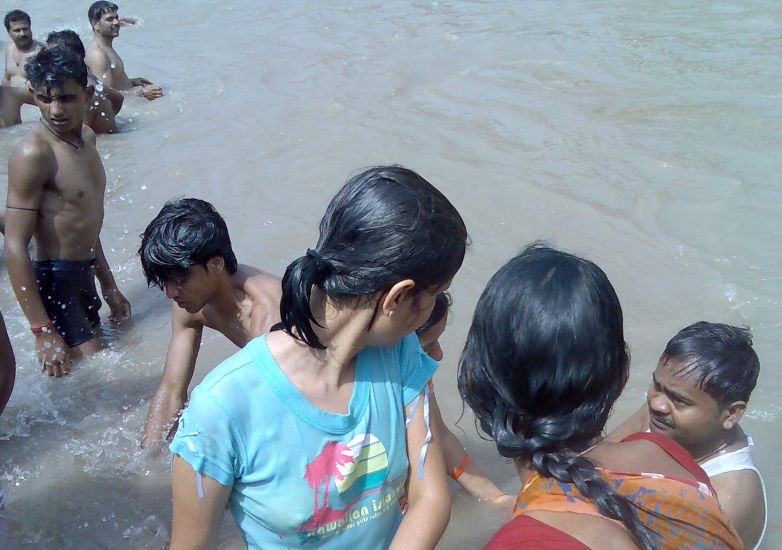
302	476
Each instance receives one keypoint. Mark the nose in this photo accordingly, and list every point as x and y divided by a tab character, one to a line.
55	108
172	290
658	403
434	350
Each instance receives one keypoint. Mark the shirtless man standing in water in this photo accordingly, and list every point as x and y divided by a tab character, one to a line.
21	48
104	62
56	186
186	251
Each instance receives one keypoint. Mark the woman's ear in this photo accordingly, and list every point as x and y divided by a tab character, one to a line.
395	295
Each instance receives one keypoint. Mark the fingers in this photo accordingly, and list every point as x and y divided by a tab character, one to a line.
56	368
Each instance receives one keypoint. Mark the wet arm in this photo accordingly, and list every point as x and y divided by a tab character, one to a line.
637	422
102	270
429	504
29	169
171	394
196	521
471	478
7	366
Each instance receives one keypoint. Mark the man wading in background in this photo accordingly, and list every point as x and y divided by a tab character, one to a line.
21	48
56	186
104	62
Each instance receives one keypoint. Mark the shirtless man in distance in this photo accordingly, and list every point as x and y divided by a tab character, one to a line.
104	62
186	251
56	186
106	102
22	46
699	392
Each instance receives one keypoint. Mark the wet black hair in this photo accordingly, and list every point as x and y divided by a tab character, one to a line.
720	356
66	39
13	16
186	233
53	66
386	224
441	305
99	8
544	361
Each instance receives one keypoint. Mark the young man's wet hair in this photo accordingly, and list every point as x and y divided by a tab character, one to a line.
53	66
13	16
719	356
186	233
98	9
66	39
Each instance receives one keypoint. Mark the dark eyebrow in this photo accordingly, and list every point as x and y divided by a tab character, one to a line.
671	393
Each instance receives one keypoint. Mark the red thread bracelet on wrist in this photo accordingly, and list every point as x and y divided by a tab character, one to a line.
48	328
459	470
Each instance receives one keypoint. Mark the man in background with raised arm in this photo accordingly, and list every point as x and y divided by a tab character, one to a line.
104	62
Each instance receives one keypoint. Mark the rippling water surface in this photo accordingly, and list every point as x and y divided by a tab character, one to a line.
643	135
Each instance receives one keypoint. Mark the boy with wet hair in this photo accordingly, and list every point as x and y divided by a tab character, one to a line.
106	102
186	251
56	186
104	62
699	392
21	48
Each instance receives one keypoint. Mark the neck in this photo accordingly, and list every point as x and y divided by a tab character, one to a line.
703	453
101	40
72	137
225	299
343	330
27	49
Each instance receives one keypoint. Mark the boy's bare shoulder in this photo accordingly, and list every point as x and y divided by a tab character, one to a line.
259	285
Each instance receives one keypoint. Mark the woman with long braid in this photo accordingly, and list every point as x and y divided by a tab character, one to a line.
544	362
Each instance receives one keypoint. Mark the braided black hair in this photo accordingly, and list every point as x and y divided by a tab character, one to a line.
544	361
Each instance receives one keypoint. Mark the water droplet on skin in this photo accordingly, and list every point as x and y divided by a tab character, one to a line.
58	349
47	345
113	66
96	104
23	287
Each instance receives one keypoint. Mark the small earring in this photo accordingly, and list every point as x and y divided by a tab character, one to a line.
390	313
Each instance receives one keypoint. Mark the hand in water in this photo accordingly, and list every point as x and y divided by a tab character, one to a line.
119	305
151	91
53	354
140	81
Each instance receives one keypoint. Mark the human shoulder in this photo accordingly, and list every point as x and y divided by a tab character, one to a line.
231	378
259	285
641	455
34	153
96	57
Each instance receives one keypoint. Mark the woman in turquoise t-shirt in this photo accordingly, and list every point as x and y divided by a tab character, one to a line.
302	433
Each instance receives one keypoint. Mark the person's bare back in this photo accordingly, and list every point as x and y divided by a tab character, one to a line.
11	100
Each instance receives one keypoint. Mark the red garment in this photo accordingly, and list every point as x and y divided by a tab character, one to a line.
535	534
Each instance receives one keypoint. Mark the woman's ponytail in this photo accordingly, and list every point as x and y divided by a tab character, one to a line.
301	276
